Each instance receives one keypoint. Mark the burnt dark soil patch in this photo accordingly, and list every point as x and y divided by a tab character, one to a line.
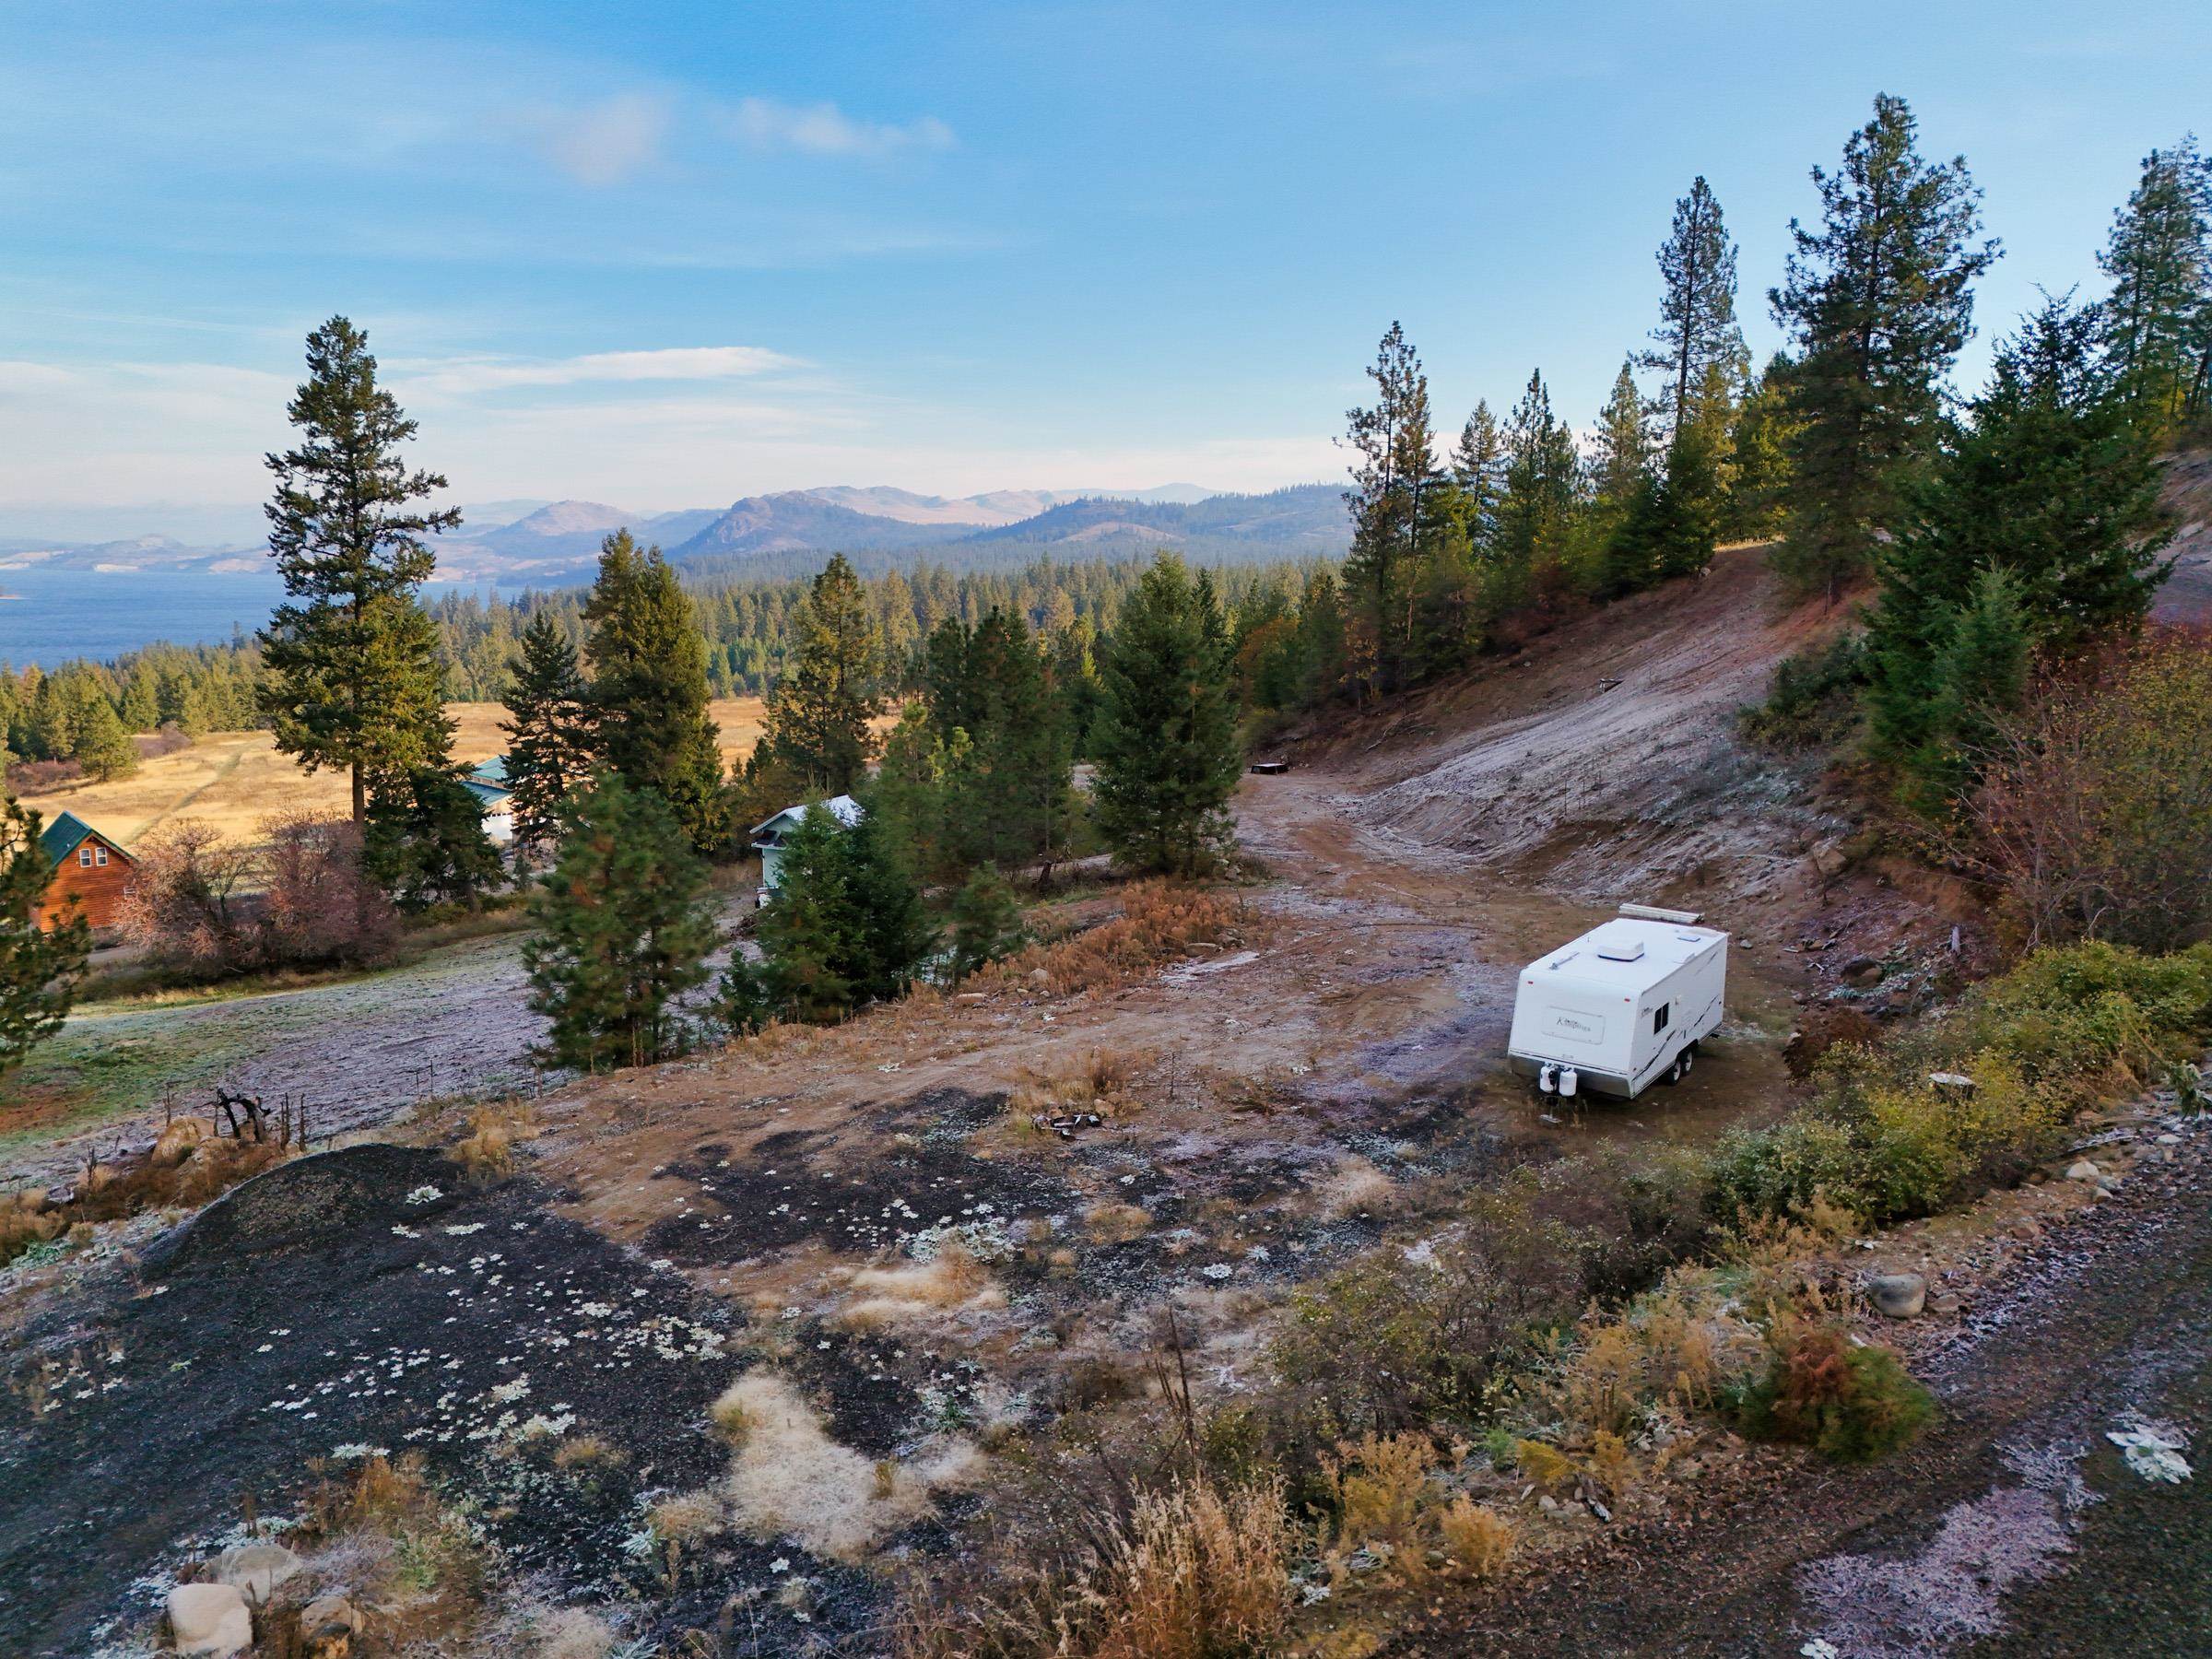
871	1189
363	1298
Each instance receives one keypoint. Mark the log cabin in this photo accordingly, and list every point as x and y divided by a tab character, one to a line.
88	867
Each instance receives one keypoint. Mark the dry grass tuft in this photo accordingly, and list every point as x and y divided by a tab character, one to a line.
1477	1540
790	1479
1116	1223
589	1453
1160	921
574	1633
1355	1187
953	1279
1198	1570
684	1517
487	1152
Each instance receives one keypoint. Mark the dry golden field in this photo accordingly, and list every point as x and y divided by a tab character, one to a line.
233	779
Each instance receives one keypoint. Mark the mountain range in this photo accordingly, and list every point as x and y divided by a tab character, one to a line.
778	533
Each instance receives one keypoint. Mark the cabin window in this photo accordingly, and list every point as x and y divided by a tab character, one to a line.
99	856
1659	1016
84	857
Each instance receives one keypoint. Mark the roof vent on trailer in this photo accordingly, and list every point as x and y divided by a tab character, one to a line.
1622	950
1652	913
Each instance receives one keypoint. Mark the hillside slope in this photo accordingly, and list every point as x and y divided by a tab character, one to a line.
1604	761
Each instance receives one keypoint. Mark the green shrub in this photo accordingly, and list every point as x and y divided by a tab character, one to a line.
2064	1027
1813	699
1848	1402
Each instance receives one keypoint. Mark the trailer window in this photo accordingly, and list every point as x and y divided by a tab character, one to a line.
1659	1016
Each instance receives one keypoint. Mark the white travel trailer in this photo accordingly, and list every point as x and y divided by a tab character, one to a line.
1621	1007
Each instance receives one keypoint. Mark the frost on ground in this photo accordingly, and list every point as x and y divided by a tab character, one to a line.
2153	1449
1953	1588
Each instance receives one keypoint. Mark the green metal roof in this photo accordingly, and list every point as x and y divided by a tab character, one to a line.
62	836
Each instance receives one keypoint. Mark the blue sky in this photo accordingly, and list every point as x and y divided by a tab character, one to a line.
667	254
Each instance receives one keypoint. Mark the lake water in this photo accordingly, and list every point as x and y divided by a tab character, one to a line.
50	617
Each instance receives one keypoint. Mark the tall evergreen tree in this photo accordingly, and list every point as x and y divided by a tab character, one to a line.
1010	793
1479	471
624	929
40	969
425	842
1622	456
2051	481
352	679
846	925
551	744
819	713
1392	502
1697	329
102	748
1759	440
1880	300
2157	321
650	691
1541	475
1166	744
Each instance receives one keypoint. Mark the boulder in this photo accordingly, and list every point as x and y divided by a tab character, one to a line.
1861	973
209	1618
1899	1295
1827	857
331	1610
256	1567
2083	1171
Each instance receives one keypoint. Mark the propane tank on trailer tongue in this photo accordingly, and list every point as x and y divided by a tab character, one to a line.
1569	1082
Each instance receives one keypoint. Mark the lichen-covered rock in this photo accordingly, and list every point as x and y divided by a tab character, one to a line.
209	1618
1899	1295
256	1567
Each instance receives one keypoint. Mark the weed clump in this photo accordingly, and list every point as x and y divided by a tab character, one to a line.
1850	1401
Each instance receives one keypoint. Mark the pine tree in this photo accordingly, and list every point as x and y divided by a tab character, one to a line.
1760	440
2157	321
987	924
1623	456
1541	489
910	796
1010	797
1393	482
1166	744
624	930
101	747
1479	470
352	679
1697	329
551	745
1979	676
896	934
40	969
1880	300
1320	641
819	715
648	688
425	844
141	710
846	926
2051	481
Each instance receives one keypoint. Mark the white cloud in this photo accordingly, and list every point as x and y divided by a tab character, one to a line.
825	130
604	143
676	363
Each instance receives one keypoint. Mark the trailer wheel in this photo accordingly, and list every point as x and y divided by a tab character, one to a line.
1690	1058
1673	1074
